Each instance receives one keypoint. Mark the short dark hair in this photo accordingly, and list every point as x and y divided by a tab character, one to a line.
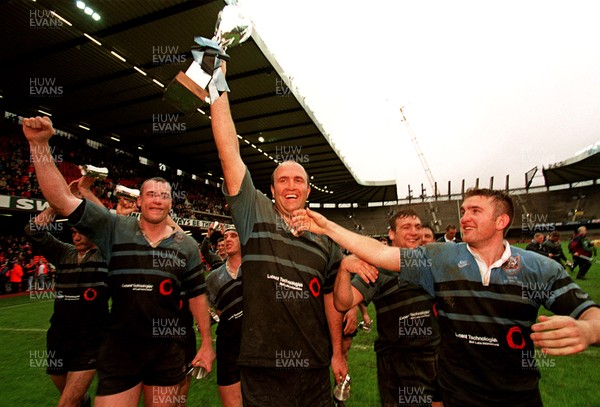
155	179
450	227
503	203
399	214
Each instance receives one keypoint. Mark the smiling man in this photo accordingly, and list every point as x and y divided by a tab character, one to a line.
488	295
286	347
150	265
409	336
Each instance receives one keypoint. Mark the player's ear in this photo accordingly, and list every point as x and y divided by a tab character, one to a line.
502	221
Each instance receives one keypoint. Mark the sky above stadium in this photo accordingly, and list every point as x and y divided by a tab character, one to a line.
488	88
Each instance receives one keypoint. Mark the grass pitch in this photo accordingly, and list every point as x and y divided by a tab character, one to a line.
566	381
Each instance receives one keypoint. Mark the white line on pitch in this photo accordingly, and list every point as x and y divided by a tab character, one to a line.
29	303
23	329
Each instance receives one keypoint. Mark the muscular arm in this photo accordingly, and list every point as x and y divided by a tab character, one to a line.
368	249
345	296
206	354
227	144
339	366
38	131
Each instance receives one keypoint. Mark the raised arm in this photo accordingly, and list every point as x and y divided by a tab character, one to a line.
45	217
368	249
82	188
227	143
38	130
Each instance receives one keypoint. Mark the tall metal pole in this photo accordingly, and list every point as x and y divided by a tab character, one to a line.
428	173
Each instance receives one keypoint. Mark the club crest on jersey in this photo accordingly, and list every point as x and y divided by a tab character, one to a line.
512	266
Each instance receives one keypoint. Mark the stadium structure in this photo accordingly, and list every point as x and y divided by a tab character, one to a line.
103	82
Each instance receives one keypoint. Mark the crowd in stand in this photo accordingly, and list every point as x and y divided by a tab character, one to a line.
194	199
20	268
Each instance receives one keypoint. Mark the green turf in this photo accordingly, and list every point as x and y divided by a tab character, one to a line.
566	381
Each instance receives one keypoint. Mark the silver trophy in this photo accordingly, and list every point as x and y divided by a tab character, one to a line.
91	171
129	194
341	391
232	27
204	78
365	326
197	372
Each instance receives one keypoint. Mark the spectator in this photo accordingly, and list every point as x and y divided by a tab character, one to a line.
287	283
554	249
536	244
450	235
4	277
582	249
30	275
41	272
16	277
214	260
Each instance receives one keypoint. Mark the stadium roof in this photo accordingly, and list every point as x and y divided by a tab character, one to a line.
583	167
52	66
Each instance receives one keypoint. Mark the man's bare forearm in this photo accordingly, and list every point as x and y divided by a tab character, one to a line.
368	249
343	298
199	309
45	217
335	322
227	144
53	185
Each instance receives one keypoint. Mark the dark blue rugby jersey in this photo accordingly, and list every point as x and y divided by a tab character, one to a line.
405	313
285	278
486	353
145	283
81	302
225	293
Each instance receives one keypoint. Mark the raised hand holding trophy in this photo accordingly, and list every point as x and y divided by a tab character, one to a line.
204	78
